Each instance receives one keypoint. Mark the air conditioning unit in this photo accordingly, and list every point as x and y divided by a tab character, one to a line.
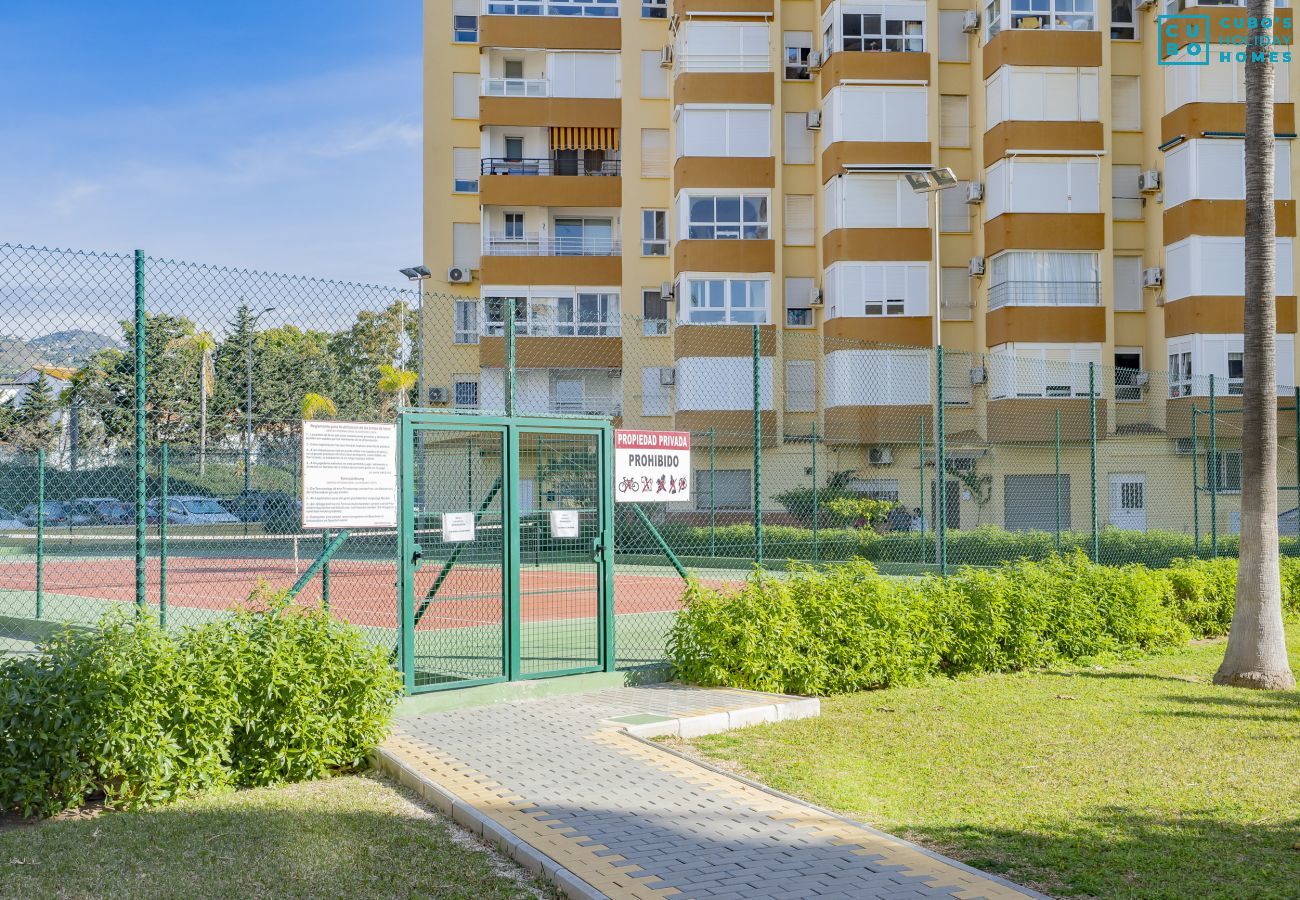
666	291
1142	379
814	60
976	266
666	56
1146	4
974	192
815	298
460	275
668	376
1153	277
814	120
1184	446
978	375
970	22
1149	181
880	456
437	395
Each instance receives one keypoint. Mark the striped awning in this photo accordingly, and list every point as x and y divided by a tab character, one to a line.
583	138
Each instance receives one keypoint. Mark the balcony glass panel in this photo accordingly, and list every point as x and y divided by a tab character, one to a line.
607	8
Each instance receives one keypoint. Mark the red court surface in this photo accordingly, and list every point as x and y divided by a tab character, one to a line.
362	592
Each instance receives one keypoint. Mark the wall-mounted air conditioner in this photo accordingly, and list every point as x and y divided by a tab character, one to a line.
815	298
976	266
814	60
814	120
880	456
1149	181
666	57
974	192
460	275
970	21
1153	277
667	376
978	376
666	291
437	395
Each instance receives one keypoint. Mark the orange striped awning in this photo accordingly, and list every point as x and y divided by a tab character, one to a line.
581	137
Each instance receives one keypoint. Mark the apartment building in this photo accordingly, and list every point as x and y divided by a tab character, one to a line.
643	181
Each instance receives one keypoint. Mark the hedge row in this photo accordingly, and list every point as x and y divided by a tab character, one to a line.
140	716
849	628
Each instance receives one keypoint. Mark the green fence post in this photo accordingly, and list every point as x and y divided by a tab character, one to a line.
1196	486
1212	470
758	454
325	573
1058	480
816	554
1092	456
940	481
920	502
162	538
713	496
508	376
141	484
40	534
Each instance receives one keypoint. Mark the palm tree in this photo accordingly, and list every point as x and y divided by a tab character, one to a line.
397	382
316	406
205	345
1256	653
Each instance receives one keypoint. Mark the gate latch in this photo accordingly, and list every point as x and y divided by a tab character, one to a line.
417	556
597	549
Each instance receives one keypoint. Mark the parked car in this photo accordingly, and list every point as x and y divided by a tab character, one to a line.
275	509
191	511
55	512
102	511
10	522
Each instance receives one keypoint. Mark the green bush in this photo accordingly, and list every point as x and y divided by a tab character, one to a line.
140	716
846	627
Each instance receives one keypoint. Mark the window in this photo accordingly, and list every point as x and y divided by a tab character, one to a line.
1201	266
1216	170
654	232
722	488
1054	370
954	120
955	299
465	169
1223	471
1126	102
1043	185
464	21
954	211
654	313
654	153
514	226
563	313
713	131
877	289
1066	15
1036	502
798	302
654	9
877	377
798	139
587	315
704	46
465	322
872	112
464	391
583	74
552	7
1126	199
894	29
1044	278
732	301
493	321
654	77
465	244
953	43
1128	283
1236	374
1180	374
799	220
798	45
876	488
655	399
800	385
727	217
873	201
1123	21
1041	93
464	95
723	383
1128	366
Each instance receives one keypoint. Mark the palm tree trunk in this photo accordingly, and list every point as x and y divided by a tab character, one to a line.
1256	653
203	416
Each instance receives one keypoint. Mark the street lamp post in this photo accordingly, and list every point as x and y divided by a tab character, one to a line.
248	401
419	274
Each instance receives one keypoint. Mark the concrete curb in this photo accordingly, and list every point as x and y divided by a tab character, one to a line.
716	723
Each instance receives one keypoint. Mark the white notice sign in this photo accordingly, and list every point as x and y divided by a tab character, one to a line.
652	466
349	475
564	523
457	527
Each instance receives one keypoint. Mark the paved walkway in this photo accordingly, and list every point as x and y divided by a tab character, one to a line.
564	787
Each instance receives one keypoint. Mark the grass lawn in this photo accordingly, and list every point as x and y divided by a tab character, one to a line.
345	837
1120	780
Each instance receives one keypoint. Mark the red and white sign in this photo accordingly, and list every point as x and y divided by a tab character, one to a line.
652	466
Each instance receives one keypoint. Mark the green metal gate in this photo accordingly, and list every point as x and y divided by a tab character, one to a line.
506	549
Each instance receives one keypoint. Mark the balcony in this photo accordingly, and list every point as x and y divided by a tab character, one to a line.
535	244
581	182
515	87
551	166
586	8
1044	293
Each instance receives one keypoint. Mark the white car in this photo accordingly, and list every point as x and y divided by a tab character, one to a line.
193	511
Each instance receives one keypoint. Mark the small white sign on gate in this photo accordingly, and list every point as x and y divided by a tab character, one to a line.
457	527
564	523
652	466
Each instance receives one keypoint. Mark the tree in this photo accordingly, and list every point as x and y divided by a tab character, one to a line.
203	344
1256	653
318	406
37	417
397	384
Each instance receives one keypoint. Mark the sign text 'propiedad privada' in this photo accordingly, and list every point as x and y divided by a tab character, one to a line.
652	466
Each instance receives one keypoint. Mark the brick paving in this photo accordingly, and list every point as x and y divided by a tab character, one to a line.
563	788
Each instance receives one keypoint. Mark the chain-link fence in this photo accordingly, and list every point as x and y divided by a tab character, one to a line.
164	471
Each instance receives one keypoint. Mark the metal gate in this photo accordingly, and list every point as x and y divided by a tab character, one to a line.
506	549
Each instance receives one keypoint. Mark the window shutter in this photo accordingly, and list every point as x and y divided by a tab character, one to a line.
798	140
800	385
654	153
954	121
465	244
464	96
465	167
1126	102
954	212
1127	200
654	78
798	292
749	132
953	45
654	393
464	7
954	298
798	220
1128	284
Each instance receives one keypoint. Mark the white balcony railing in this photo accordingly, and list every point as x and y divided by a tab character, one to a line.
534	244
603	8
1044	293
516	87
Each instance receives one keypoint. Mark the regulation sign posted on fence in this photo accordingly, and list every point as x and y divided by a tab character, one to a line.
349	475
652	466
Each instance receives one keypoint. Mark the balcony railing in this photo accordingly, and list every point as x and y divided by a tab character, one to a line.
606	8
1044	293
516	87
550	328
533	244
500	166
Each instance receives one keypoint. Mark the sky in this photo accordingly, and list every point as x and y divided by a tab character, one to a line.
281	135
